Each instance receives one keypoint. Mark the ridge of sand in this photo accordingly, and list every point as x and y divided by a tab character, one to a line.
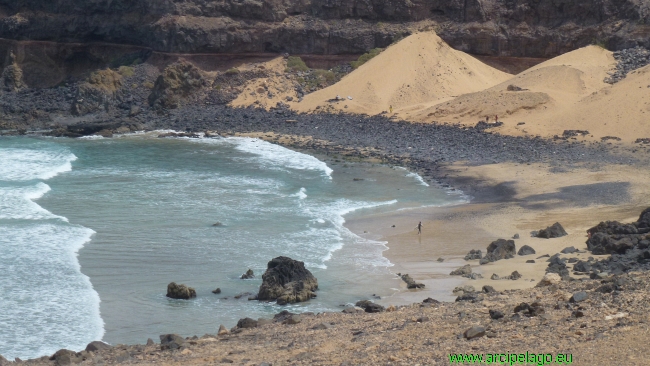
549	89
420	69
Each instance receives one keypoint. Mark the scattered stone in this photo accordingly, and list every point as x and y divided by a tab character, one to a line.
579	297
463	289
549	279
496	314
531	310
248	275
464	270
499	249
628	60
216	291
181	291
222	330
429	300
554	231
171	341
544	256
526	250
516	236
488	289
150	342
514	276
474	254
530	261
246	323
474	332
471	296
514	88
440	259
410	283
287	281
97	346
369	306
293	319
582	266
65	357
569	250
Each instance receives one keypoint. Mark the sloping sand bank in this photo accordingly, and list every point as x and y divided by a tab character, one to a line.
420	69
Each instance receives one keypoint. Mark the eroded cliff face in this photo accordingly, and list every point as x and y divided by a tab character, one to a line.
539	28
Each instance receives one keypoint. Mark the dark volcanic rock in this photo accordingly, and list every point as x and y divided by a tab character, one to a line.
526	250
247	323
496	314
568	250
97	346
177	82
287	281
554	231
462	271
531	310
369	306
66	357
499	249
579	297
410	282
474	254
181	291
171	341
248	275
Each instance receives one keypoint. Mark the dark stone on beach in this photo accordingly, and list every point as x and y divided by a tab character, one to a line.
248	275
557	265
488	289
410	283
287	281
246	323
97	346
544	256
582	266
369	306
440	260
531	310
530	261
496	314
216	291
526	250
294	319
471	296
569	250
514	276
429	300
516	236
171	341
579	297
474	332
464	270
66	357
495	277
217	224
181	291
283	315
554	231
474	254
499	249
150	342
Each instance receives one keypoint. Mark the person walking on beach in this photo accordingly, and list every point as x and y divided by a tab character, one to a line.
391	108
496	118
487	119
419	227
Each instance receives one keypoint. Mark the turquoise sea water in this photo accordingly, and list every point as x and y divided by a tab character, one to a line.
93	230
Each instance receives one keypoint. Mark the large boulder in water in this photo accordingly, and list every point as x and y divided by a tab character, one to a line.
287	281
181	291
499	249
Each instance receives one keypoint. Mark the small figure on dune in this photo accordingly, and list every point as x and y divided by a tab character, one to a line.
390	108
496	118
487	119
419	227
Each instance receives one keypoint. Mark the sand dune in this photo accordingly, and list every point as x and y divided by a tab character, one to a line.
418	71
549	88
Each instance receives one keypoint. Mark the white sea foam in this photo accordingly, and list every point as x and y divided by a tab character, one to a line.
418	177
47	303
276	156
17	203
28	164
302	193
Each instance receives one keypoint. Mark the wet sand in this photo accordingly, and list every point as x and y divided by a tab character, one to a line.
531	197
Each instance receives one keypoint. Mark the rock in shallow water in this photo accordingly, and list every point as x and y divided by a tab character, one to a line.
287	281
181	291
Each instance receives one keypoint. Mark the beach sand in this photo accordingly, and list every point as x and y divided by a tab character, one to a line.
527	198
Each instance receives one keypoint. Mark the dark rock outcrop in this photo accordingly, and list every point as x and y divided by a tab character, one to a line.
97	346
554	231
247	323
526	250
462	271
177	82
474	254
369	306
171	341
410	282
499	249
248	275
97	93
181	291
287	281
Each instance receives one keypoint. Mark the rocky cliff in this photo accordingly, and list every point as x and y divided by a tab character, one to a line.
530	28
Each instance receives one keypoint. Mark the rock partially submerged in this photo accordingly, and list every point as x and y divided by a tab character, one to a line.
181	291
287	281
410	282
248	275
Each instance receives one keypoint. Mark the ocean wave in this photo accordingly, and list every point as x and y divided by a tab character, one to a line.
17	203
27	164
